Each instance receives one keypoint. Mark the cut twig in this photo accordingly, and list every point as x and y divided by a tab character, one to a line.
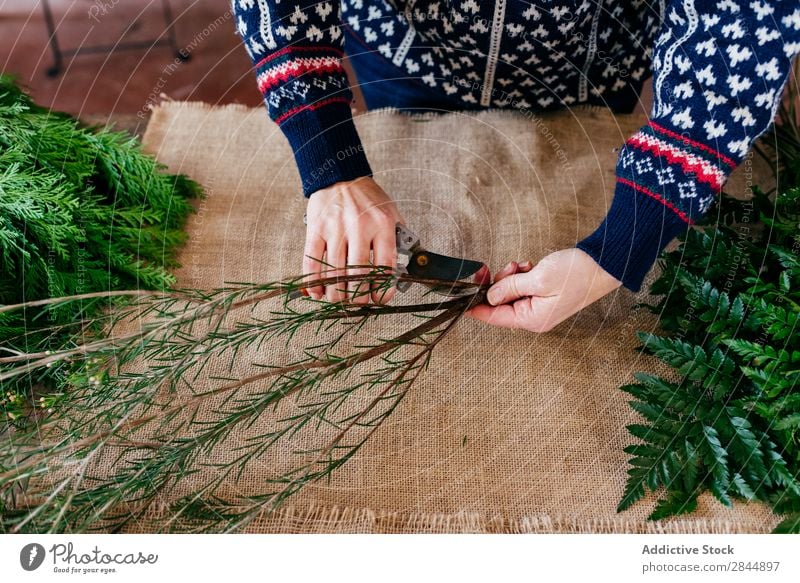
162	435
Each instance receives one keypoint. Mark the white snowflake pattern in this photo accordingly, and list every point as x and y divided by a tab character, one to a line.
725	60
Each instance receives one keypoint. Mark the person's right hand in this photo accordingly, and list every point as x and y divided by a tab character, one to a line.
344	222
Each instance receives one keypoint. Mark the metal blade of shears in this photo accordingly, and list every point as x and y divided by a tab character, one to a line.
434	266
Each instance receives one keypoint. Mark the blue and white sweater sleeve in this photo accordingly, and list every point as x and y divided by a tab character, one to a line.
296	49
719	72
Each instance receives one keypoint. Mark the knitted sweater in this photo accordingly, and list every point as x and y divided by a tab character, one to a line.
719	68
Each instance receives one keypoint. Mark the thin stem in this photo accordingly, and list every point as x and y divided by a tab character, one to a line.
96	417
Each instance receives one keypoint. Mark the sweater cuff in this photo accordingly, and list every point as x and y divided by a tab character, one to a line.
326	145
665	182
636	229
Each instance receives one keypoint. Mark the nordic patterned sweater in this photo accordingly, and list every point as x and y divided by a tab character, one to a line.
718	69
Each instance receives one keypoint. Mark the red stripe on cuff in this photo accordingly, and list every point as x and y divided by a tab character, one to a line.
661	199
269	80
285	50
311	107
686	140
686	160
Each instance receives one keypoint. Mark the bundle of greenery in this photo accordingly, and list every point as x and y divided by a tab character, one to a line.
82	210
728	421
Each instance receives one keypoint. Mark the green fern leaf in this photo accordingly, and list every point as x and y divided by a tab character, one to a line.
789	423
715	457
789	525
675	504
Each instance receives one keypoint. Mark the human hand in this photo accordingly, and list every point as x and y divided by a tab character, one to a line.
538	298
344	222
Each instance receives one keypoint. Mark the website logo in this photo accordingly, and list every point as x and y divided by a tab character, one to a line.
31	556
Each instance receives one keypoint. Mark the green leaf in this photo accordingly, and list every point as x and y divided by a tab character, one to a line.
746	445
649	433
634	491
785	282
691	466
649	412
716	458
720	493
676	503
789	525
791	423
742	487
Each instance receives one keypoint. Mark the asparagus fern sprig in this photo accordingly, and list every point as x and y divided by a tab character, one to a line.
177	375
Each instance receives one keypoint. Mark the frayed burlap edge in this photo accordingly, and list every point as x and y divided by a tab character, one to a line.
315	519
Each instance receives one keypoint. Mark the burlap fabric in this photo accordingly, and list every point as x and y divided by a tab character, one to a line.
507	431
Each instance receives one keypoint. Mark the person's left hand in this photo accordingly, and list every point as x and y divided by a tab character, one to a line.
541	297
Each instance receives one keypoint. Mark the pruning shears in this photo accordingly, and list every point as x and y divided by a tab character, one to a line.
440	271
